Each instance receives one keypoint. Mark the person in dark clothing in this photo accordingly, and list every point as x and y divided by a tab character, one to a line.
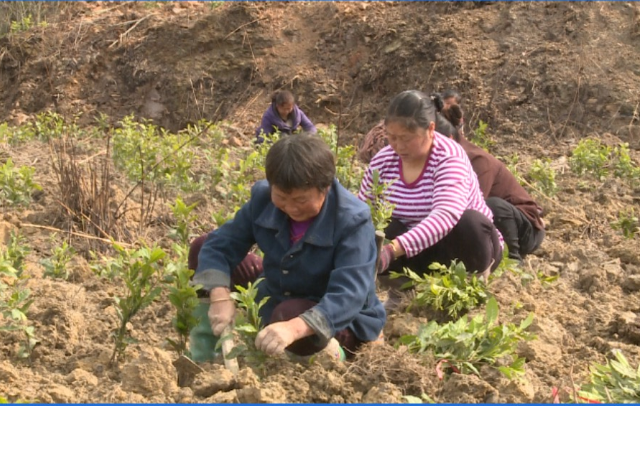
283	115
319	261
516	215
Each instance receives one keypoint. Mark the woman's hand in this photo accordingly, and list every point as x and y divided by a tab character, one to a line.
222	310
274	338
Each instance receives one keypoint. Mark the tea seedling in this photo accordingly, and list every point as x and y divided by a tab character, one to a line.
16	184
627	223
543	177
481	138
466	344
615	382
447	288
184	217
381	209
56	265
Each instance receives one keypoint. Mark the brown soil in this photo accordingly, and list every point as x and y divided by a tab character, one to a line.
543	75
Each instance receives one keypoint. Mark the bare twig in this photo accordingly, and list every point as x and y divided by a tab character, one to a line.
78	234
242	26
123	35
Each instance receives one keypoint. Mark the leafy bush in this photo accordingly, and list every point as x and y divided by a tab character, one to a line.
593	157
56	265
467	344
627	223
348	171
447	288
141	272
16	184
544	177
183	296
615	382
480	136
184	218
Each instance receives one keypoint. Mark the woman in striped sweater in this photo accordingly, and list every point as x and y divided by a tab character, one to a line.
440	213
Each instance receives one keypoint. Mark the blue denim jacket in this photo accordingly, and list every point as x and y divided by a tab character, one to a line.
333	264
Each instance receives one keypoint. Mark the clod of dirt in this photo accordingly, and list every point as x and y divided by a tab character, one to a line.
383	393
150	373
270	392
81	377
224	397
540	352
627	325
207	384
401	324
8	373
61	394
461	388
632	283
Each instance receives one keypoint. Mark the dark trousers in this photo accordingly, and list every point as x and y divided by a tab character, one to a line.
518	232
290	309
474	241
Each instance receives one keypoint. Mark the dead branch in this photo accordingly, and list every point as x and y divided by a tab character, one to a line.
123	35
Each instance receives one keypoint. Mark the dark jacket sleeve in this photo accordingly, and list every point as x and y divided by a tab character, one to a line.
306	124
225	247
349	283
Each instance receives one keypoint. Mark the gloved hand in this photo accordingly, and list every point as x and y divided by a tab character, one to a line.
274	338
221	311
387	256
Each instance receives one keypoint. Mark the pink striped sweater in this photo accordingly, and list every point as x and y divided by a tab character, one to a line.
433	204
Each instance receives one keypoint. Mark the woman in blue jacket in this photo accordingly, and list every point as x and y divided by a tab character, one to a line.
284	115
319	251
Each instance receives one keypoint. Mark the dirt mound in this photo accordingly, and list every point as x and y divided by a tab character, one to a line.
543	75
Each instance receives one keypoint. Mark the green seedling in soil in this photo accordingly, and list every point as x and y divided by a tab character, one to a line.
14	308
141	273
348	171
15	254
480	136
590	157
248	322
593	157
49	125
381	209
615	382
16	184
183	297
184	218
466	344
543	177
56	265
512	163
627	223
447	288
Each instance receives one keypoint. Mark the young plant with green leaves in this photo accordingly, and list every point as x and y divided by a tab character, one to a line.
248	322
446	288
185	217
481	138
381	209
348	171
56	265
184	298
590	157
14	307
543	177
16	184
466	344
627	223
141	272
15	254
15	302
615	382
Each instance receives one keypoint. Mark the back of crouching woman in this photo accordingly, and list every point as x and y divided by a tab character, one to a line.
319	261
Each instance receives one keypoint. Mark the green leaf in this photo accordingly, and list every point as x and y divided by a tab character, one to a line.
492	311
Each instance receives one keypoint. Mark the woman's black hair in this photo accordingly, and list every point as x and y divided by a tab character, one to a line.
452	93
300	161
444	127
454	115
413	109
283	97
